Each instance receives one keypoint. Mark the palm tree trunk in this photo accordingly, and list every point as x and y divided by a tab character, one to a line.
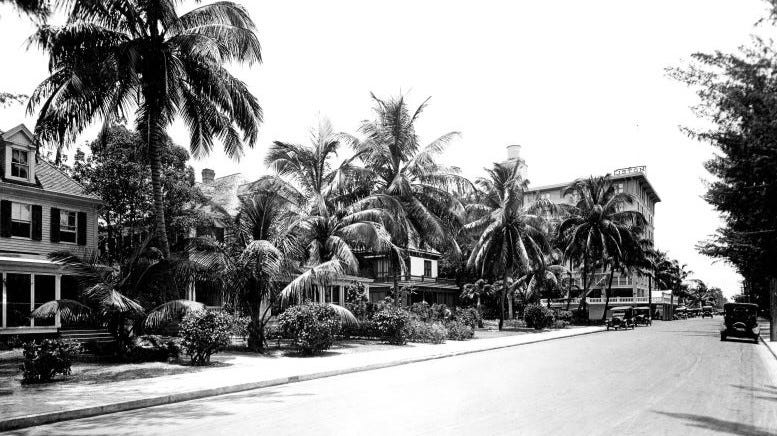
510	307
502	302
609	290
585	282
159	200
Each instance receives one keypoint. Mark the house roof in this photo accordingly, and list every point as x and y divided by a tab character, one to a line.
47	177
224	192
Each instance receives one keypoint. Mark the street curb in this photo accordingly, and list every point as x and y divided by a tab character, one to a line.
769	347
86	412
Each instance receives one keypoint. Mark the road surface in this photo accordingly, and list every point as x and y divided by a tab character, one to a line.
672	378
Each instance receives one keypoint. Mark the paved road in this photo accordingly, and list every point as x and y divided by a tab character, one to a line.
673	378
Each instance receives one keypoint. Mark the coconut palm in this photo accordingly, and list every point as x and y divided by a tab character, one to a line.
114	56
36	8
407	181
546	278
512	238
596	226
321	185
629	258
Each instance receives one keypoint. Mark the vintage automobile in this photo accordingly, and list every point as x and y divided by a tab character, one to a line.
707	311
621	317
740	321
642	316
681	313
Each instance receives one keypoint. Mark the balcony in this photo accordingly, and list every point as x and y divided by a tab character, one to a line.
409	280
616	300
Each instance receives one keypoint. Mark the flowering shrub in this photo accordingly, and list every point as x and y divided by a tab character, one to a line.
440	312
421	310
311	326
538	317
560	324
432	333
44	360
393	325
565	315
459	331
205	333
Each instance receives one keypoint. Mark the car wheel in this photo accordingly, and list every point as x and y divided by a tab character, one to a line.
755	340
722	336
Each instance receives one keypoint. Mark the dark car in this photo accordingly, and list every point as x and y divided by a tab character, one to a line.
740	321
620	318
642	316
707	311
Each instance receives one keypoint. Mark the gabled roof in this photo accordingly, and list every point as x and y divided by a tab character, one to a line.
48	178
224	192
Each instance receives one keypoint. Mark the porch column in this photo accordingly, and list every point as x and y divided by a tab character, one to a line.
57	296
32	298
5	302
341	291
322	294
191	291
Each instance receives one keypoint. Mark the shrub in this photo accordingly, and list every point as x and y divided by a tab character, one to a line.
393	324
421	310
154	348
564	315
560	324
440	312
365	329
205	333
311	326
10	342
538	317
44	360
459	331
430	333
469	316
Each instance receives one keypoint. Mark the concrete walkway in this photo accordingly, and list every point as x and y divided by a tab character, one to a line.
52	403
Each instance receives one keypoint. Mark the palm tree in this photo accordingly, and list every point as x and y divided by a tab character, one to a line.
114	55
36	8
407	181
671	274
630	257
512	239
321	186
596	226
259	256
546	278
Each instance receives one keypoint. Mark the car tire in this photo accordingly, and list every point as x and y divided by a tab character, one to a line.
755	340
722	336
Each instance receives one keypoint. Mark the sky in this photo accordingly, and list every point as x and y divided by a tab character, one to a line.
582	86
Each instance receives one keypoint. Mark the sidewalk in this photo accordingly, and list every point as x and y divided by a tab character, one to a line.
58	402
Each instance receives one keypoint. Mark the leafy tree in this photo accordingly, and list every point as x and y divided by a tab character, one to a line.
117	171
112	56
35	8
738	94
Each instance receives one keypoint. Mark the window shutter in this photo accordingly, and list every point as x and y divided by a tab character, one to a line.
5	218
81	237
37	223
54	224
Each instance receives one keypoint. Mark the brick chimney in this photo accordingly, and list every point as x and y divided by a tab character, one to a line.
208	175
514	156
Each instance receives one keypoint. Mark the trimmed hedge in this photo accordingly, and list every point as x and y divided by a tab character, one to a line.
538	317
47	358
311	326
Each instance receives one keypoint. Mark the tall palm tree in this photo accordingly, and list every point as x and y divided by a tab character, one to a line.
115	55
629	258
35	8
546	278
596	226
512	239
322	186
407	181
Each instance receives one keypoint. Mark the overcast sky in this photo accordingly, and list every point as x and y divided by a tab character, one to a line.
581	85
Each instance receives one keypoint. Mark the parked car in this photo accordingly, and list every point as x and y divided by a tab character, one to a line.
642	316
681	313
740	321
707	311
620	317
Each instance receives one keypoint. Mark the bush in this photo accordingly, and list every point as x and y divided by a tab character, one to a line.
421	310
459	331
469	316
538	317
10	342
205	333
311	326
440	312
560	324
564	315
154	348
44	360
430	333
365	329
393	325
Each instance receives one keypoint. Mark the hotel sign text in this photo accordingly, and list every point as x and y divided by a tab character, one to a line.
629	170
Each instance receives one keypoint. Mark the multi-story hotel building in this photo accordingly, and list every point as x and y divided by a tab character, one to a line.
627	289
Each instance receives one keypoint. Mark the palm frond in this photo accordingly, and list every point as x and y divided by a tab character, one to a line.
70	311
171	311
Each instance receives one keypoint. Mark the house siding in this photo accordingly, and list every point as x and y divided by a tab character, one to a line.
45	246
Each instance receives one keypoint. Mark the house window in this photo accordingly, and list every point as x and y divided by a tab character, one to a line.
67	226
21	220
619	187
427	268
20	165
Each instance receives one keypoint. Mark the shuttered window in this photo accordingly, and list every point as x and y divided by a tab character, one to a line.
68	226
21	220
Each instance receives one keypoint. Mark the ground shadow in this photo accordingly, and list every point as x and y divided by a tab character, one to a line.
719	425
766	389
